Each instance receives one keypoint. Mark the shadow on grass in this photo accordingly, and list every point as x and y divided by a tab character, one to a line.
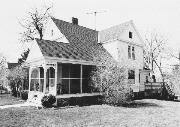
139	105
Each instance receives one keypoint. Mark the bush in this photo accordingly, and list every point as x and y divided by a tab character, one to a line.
24	95
112	83
118	97
48	100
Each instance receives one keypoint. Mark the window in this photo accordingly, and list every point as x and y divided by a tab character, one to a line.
129	52
133	53
131	76
130	34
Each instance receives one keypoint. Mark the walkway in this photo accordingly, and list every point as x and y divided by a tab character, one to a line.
20	105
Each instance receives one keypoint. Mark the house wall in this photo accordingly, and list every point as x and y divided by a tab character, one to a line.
136	39
118	48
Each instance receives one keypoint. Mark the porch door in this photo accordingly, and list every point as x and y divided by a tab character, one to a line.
50	80
37	79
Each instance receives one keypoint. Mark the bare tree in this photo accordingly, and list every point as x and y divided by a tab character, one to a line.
34	24
154	51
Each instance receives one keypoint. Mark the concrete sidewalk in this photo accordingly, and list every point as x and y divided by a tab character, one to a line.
26	104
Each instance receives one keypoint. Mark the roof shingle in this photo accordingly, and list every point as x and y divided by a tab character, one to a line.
83	43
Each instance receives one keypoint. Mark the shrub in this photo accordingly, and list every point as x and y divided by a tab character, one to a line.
112	83
118	97
48	100
24	95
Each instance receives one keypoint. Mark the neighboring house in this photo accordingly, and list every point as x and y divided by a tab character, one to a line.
62	63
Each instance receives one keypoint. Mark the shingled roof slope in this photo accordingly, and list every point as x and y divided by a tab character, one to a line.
61	50
113	32
83	43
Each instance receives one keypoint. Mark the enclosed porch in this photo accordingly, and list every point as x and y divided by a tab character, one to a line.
63	80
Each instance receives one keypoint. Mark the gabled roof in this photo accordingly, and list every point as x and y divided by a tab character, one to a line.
83	43
113	32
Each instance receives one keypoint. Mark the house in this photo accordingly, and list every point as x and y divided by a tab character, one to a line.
61	63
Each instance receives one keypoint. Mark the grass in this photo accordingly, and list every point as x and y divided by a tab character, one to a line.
7	99
142	113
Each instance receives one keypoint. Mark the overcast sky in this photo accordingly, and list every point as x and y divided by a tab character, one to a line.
148	15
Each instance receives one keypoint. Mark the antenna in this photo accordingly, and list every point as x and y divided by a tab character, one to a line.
95	14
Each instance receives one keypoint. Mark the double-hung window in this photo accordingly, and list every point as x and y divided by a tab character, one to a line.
131	76
131	52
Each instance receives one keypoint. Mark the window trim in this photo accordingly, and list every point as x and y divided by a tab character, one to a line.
130	34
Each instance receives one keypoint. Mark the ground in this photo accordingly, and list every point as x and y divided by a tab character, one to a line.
7	99
142	113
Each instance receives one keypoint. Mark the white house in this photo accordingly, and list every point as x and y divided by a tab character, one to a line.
61	64
125	44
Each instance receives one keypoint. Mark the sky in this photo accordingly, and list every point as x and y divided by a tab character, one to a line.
162	16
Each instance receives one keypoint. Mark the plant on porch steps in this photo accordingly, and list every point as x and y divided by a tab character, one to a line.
48	100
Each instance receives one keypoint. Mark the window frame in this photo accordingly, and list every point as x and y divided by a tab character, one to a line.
131	76
129	52
130	34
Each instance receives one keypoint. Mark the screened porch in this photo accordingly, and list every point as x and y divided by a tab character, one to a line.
61	79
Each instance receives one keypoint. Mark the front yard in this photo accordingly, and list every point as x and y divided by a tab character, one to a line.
7	99
143	113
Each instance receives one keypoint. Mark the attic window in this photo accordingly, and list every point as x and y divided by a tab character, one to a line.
130	34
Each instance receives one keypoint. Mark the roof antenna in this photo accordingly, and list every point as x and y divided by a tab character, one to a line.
95	14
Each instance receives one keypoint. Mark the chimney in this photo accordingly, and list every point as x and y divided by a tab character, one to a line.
74	21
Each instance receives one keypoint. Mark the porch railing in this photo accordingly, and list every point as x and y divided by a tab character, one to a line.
153	85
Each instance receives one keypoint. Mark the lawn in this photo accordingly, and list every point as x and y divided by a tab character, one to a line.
143	113
7	99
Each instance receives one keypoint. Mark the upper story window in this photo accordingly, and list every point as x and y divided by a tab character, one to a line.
130	34
131	52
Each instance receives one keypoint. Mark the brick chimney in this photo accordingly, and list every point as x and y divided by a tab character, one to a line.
74	21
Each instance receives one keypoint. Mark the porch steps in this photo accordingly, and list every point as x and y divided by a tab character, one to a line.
177	98
35	99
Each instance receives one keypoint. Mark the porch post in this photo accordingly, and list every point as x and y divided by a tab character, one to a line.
56	70
81	78
30	69
45	70
39	79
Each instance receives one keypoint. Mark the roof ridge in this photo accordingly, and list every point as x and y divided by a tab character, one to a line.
73	24
127	22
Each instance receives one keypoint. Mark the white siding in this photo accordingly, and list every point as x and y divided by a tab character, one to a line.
53	33
136	39
34	53
118	48
112	48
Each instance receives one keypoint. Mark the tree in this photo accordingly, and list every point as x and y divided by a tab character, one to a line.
34	24
16	77
154	50
111	80
24	56
3	70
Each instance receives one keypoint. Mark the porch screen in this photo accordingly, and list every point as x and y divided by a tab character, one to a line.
34	84
70	78
50	78
86	88
37	79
